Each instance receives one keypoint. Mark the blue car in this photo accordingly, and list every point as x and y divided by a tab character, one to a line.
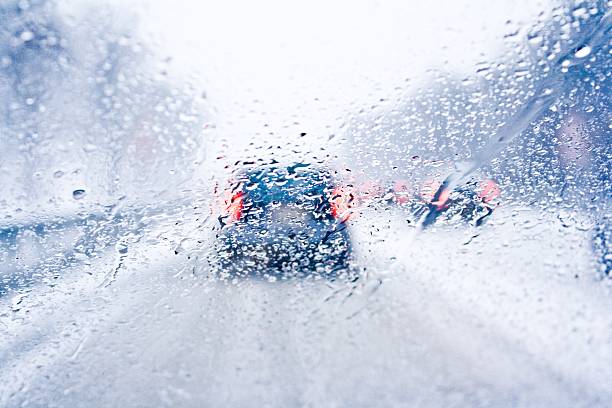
283	221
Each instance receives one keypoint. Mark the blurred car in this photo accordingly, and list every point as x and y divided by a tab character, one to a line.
279	221
472	202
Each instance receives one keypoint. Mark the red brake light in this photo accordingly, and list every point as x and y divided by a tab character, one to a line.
341	201
368	190
428	193
232	205
489	191
401	190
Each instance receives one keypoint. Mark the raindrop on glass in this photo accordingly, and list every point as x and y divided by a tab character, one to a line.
78	194
583	52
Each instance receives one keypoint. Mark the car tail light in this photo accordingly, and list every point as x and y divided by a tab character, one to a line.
429	190
232	205
368	190
401	192
489	191
341	202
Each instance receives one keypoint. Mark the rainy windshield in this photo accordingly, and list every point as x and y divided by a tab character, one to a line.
321	204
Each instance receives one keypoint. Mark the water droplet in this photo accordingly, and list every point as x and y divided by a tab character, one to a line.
88	148
547	91
535	39
583	52
17	301
580	11
58	174
78	194
26	36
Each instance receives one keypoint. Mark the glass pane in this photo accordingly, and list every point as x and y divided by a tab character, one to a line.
305	204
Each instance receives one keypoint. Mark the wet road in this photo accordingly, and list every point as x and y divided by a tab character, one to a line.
410	332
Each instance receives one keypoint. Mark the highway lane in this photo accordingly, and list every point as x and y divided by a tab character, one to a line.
439	319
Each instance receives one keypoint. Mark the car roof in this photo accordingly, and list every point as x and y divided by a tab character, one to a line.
283	182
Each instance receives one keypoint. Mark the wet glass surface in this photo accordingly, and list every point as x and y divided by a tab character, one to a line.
305	204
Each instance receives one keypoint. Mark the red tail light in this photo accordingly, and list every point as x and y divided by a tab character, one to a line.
232	205
489	191
428	193
368	190
341	202
401	192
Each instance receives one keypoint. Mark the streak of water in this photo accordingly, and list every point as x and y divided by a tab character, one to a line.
543	98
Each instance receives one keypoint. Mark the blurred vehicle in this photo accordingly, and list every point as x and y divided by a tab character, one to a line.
281	221
473	202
